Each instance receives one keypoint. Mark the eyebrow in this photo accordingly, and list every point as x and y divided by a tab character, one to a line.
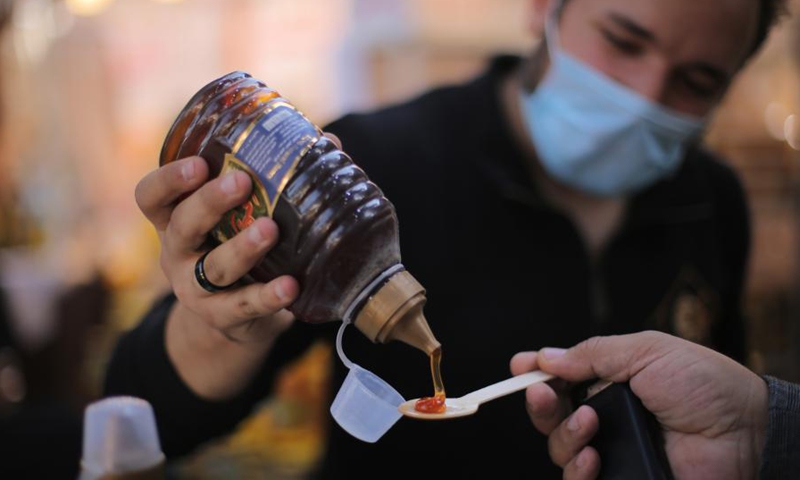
631	26
637	30
716	73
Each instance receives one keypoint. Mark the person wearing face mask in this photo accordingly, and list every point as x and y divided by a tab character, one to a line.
550	199
598	136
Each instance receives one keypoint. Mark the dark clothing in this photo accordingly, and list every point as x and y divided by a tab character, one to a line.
7	339
781	456
41	440
504	272
40	436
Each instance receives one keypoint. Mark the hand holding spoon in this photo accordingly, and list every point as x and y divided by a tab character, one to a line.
468	404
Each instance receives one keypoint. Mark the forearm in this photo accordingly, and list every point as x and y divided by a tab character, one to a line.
140	367
214	365
781	455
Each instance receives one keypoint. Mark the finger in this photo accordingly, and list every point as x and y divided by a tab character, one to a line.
585	465
523	362
546	409
572	435
260	328
194	217
335	139
158	191
231	260
616	358
233	308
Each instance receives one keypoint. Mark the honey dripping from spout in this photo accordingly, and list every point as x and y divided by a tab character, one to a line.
339	234
436	403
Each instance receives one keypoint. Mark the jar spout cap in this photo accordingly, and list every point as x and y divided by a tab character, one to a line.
394	312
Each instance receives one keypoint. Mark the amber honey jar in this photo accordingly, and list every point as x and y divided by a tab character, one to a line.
339	234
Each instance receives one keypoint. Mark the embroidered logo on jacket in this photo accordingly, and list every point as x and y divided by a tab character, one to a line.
690	309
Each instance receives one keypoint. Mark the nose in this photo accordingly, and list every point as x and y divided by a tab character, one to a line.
651	82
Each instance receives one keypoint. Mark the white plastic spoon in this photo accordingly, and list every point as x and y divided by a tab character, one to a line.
468	404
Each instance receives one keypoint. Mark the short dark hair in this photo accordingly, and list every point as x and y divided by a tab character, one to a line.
769	13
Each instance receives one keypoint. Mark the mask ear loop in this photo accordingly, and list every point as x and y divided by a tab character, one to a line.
347	318
551	30
551	42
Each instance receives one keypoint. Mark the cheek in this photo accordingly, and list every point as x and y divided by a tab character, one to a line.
579	42
643	73
678	99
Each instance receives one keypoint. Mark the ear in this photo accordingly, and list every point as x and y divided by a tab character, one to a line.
538	14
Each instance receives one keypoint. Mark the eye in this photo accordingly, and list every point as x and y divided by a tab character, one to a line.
701	85
621	43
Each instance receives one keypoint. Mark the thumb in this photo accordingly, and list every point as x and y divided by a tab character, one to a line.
617	358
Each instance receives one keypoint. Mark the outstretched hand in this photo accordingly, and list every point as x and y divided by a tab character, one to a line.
712	410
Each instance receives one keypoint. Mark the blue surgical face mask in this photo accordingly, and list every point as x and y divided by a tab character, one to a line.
598	136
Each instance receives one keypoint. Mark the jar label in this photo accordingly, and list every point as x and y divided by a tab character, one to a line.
269	151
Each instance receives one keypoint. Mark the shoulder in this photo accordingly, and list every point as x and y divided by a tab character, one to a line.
401	125
423	130
714	180
709	176
404	115
713	169
706	187
394	144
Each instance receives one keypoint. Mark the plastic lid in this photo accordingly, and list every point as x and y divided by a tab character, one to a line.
120	436
366	406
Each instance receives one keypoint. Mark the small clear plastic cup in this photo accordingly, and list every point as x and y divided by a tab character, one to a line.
365	406
120	436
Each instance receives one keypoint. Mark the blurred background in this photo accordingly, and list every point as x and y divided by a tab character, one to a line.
90	87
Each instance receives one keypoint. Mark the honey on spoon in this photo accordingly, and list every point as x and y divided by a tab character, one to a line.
468	404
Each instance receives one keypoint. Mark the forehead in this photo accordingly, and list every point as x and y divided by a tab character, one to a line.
724	29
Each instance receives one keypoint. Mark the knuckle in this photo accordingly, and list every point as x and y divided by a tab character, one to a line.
139	195
654	335
246	309
163	262
218	322
214	274
270	231
182	292
591	346
176	228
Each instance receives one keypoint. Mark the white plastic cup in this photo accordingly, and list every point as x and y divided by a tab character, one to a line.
120	436
366	406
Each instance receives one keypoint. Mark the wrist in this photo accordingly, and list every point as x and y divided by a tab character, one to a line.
758	415
212	365
255	336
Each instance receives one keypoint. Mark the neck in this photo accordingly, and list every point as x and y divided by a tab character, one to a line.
596	218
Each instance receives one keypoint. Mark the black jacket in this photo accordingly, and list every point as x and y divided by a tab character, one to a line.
504	272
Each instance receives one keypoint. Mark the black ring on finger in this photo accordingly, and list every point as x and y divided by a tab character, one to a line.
202	279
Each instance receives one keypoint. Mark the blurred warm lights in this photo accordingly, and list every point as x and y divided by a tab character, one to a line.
87	8
791	130
782	124
775	119
36	24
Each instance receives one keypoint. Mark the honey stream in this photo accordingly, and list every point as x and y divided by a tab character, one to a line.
436	403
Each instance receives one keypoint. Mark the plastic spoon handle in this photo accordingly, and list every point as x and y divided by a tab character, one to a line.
504	387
